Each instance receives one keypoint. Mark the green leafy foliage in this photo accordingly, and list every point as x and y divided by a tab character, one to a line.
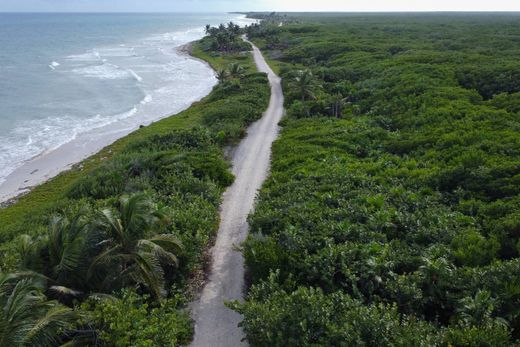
27	317
132	320
224	38
394	185
282	315
136	217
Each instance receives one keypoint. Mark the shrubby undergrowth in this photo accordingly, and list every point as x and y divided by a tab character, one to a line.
391	214
134	222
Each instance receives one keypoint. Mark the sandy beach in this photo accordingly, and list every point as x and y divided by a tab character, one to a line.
195	77
48	165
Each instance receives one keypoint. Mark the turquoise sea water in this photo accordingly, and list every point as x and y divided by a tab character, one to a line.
62	75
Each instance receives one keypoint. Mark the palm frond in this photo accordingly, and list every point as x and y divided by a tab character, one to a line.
169	242
48	329
64	291
150	273
104	258
27	318
159	252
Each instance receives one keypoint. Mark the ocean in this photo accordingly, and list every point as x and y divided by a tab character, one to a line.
67	76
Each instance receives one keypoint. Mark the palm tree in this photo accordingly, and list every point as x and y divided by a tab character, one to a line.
222	75
223	41
337	104
62	256
304	82
27	317
236	70
130	255
207	29
233	29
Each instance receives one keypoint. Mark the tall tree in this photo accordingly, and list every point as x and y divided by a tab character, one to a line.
63	254
134	251
233	29
304	83
337	104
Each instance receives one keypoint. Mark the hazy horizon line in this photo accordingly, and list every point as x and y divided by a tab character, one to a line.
266	11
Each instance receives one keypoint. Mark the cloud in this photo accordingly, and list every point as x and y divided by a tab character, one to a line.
256	5
396	5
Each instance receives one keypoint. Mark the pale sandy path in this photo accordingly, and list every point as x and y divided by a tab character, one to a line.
215	324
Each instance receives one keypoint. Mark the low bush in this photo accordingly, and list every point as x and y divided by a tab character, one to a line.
391	213
132	320
136	218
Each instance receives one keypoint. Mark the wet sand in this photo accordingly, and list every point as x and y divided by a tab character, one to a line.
48	165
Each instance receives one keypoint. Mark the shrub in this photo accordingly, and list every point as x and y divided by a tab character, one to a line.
132	320
470	248
308	317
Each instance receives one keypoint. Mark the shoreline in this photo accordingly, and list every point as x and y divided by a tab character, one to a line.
44	167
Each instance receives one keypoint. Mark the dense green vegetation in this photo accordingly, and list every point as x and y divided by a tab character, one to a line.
27	317
224	38
108	253
391	217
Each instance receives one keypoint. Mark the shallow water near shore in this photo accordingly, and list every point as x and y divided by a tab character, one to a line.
85	80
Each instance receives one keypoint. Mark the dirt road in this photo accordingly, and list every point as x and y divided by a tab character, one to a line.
215	324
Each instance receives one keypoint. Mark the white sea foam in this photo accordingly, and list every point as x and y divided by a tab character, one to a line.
242	20
54	65
147	99
37	137
104	72
85	57
136	76
169	81
116	52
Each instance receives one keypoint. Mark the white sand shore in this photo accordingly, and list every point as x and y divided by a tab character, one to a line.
48	165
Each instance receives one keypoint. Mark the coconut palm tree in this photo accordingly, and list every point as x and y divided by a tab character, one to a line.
63	254
222	75
133	251
337	104
222	40
233	29
236	70
304	83
27	317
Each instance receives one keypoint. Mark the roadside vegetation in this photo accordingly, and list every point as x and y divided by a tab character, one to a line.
391	216
108	253
224	38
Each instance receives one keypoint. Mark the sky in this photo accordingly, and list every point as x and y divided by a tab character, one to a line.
254	5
